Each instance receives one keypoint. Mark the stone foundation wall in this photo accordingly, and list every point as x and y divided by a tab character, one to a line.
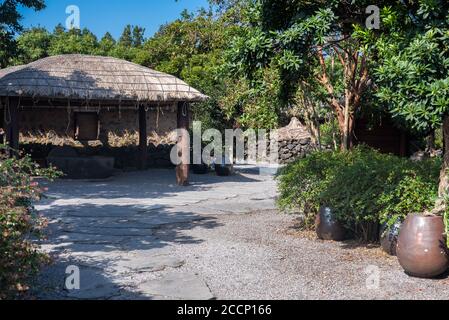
125	157
294	142
291	150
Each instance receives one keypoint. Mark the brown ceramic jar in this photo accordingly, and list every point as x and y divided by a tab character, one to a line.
327	227
422	250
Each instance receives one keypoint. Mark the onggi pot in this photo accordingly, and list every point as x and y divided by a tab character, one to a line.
389	237
327	226
224	170
422	250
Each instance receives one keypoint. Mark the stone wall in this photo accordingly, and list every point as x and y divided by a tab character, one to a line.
125	157
290	150
294	142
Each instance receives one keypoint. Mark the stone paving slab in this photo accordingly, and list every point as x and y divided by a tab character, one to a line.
94	286
122	232
177	286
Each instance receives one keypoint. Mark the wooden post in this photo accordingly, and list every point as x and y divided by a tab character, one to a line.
182	170
143	145
12	122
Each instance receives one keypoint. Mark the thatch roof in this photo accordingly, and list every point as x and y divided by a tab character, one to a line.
294	131
93	78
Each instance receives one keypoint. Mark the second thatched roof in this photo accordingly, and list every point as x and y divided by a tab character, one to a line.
94	78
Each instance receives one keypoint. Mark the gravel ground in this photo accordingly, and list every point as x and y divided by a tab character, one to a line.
138	236
263	256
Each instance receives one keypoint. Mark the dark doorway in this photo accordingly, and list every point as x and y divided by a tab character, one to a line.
2	126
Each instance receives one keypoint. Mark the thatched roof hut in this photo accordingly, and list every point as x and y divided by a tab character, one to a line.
82	81
85	77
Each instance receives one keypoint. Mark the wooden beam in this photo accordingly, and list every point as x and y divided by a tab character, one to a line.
182	170
143	138
12	123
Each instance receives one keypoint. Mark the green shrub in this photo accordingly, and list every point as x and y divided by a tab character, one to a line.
301	183
19	223
363	186
330	133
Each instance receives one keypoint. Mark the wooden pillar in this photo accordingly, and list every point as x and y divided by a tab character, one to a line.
12	123
143	144
182	170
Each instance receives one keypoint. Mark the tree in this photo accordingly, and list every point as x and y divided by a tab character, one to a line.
191	48
32	45
89	42
73	41
255	104
307	39
10	26
107	44
413	68
138	36
126	39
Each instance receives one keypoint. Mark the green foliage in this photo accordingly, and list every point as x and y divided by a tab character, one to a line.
313	44
20	258
330	134
192	48
32	45
10	26
73	41
363	186
126	39
253	106
301	183
106	44
38	43
413	70
414	193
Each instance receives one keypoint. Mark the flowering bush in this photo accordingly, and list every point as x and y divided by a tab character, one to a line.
19	223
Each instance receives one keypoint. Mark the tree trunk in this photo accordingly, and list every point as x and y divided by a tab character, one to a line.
311	117
308	110
444	176
356	78
430	143
346	131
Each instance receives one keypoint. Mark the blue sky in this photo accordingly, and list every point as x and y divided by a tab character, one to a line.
101	16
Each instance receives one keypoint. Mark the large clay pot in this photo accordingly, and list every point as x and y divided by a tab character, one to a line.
389	237
422	250
200	168
327	226
224	170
